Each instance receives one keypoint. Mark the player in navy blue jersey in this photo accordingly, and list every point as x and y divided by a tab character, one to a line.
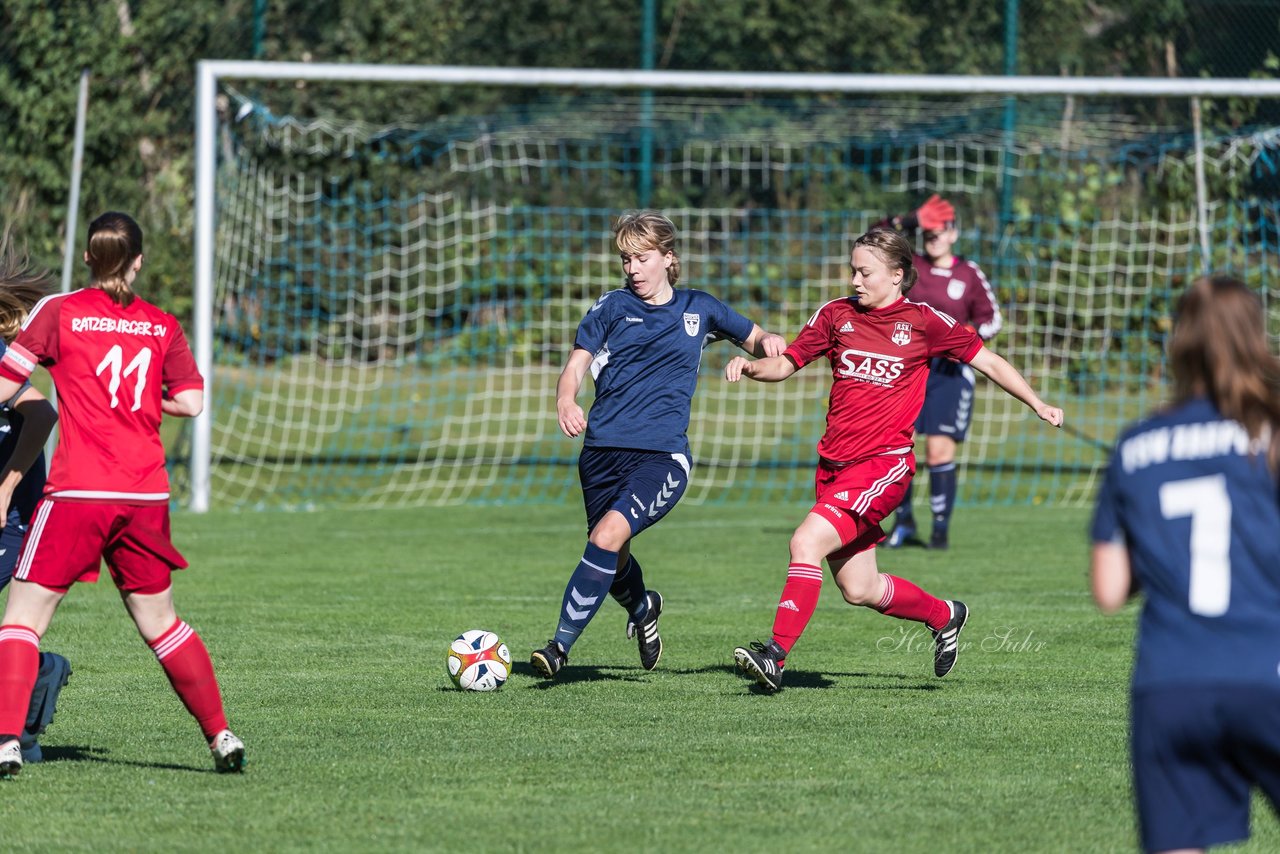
642	344
26	420
957	286
1189	513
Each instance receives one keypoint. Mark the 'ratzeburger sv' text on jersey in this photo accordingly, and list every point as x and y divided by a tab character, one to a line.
110	365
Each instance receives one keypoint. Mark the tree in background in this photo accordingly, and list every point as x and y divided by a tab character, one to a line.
142	52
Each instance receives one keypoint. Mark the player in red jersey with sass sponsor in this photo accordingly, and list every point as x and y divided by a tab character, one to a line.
118	364
878	344
958	287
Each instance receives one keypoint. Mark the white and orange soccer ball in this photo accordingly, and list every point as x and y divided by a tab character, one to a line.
479	661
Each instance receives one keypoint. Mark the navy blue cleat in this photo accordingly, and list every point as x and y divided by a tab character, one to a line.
54	673
902	532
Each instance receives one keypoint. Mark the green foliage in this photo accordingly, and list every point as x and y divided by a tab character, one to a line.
142	54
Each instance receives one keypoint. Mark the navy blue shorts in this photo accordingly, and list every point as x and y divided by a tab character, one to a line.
1197	752
10	545
948	400
641	485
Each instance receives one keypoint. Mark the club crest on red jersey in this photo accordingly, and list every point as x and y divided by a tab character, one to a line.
692	323
901	333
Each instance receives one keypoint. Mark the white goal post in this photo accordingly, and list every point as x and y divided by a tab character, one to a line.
210	73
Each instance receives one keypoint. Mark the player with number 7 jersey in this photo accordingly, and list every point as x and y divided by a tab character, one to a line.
119	364
1189	514
109	364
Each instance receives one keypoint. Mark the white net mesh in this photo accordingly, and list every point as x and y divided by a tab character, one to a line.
394	302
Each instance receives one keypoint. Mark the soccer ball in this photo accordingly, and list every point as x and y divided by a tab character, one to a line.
479	661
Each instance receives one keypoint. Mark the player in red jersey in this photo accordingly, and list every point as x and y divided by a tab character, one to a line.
118	364
879	345
958	287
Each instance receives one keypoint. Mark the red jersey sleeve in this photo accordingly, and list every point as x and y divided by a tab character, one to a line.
948	338
814	339
180	372
37	342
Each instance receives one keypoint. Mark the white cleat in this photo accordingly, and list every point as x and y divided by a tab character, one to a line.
10	758
228	752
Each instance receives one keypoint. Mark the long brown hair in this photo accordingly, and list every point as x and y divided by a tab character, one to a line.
894	250
115	242
1219	349
21	287
638	231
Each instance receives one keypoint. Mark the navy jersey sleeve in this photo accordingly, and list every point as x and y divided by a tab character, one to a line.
593	330
1106	526
729	324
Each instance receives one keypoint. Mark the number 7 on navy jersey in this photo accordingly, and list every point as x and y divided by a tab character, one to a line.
1206	501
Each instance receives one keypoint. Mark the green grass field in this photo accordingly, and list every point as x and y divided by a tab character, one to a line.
329	631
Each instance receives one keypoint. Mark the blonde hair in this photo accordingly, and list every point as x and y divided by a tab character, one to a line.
1219	349
21	287
115	242
894	250
639	231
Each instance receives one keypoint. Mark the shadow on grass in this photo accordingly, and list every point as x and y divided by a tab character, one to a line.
575	673
803	679
75	753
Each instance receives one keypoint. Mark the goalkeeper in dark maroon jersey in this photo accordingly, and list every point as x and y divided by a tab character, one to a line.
878	345
956	286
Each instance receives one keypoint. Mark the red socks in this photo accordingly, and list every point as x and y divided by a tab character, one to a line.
906	601
799	599
186	662
19	666
901	599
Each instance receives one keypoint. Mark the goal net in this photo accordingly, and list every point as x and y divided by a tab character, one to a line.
392	299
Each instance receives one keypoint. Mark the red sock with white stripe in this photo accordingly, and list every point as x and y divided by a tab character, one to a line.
186	662
799	600
19	666
906	601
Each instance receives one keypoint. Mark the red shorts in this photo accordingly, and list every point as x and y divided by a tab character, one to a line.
857	497
68	539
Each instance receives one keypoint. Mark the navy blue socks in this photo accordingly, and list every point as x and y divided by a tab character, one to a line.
585	592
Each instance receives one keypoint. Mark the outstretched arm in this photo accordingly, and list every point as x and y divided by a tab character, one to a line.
1007	377
933	215
760	343
768	370
570	415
